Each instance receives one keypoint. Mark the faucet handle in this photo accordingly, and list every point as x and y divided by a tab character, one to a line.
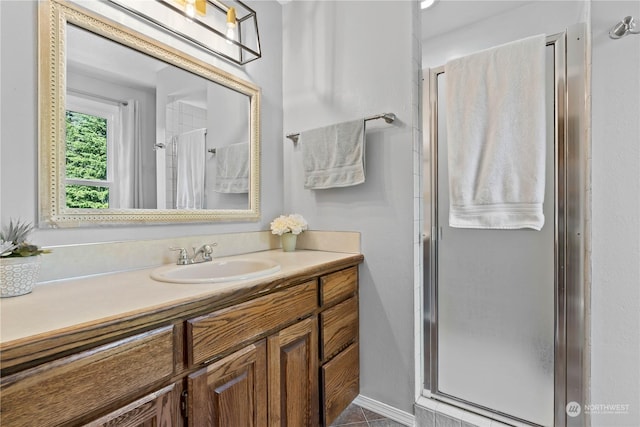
183	257
207	251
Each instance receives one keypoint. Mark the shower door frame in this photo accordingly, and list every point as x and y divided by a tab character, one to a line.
570	175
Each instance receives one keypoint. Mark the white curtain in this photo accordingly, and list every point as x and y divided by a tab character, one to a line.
128	167
190	169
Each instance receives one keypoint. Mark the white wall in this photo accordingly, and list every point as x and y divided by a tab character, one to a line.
615	292
342	61
18	136
524	20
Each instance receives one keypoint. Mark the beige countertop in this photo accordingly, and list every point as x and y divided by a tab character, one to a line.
72	303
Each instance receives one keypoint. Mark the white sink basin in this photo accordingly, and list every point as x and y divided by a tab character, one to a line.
215	271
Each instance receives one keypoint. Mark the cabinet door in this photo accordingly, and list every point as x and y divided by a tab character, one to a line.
293	375
154	410
231	392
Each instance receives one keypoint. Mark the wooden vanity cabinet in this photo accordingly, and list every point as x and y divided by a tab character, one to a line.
66	389
279	357
312	365
272	381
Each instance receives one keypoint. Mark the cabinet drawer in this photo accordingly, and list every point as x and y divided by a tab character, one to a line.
156	409
337	286
213	334
59	391
340	383
339	327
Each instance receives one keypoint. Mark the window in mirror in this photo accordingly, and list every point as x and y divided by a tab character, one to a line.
90	136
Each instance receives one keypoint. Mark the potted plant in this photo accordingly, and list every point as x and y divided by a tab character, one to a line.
19	260
288	227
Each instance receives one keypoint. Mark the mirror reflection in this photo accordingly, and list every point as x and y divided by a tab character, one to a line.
144	134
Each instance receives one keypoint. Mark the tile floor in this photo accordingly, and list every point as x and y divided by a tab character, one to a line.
356	416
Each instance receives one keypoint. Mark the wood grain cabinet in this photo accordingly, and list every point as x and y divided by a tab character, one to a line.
286	356
273	381
67	389
293	375
339	350
231	392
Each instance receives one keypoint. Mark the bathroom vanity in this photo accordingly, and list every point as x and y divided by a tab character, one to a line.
276	350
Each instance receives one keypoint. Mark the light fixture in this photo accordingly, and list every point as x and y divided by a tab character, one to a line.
232	23
426	3
193	7
624	27
190	8
227	28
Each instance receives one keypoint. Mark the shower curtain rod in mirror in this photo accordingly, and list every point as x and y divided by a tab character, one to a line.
161	145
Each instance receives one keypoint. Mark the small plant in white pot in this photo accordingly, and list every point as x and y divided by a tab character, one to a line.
19	260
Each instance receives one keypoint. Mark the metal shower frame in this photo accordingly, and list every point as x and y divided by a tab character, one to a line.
570	173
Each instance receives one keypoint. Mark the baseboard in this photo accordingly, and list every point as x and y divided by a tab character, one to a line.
390	412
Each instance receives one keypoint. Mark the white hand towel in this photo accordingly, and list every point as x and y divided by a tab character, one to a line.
333	156
496	136
190	169
232	168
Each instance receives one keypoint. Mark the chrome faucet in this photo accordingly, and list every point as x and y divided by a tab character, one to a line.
205	252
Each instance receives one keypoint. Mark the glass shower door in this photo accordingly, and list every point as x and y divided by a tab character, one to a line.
495	298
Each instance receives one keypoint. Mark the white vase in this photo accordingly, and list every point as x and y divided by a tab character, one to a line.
289	242
18	275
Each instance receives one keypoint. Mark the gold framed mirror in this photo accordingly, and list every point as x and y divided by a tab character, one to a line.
133	131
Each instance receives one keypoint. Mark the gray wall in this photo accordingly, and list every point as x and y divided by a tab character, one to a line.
615	161
19	118
342	61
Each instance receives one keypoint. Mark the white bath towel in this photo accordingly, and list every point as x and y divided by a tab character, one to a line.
496	136
190	169
232	168
333	156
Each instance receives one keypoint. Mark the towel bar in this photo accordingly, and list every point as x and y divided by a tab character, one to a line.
388	117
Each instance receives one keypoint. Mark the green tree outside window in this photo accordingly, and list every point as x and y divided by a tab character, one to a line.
86	158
